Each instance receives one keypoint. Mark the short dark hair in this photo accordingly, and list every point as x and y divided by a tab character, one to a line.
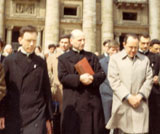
130	35
105	42
113	43
144	35
28	28
51	45
154	41
65	36
1	43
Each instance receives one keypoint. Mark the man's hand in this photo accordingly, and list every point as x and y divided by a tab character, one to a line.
86	79
2	123
155	79
134	100
139	98
49	127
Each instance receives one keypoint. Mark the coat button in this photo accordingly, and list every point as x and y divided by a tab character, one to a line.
36	125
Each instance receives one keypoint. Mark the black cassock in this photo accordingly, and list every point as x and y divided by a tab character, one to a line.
82	107
27	104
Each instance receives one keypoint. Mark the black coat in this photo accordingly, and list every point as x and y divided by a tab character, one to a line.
154	98
82	107
28	102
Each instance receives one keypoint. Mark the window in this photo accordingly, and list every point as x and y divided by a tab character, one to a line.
70	11
129	16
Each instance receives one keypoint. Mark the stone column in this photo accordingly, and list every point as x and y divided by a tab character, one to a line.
89	24
2	4
107	20
39	36
154	18
9	35
51	23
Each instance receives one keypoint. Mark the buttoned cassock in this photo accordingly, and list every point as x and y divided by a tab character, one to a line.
127	76
82	107
28	99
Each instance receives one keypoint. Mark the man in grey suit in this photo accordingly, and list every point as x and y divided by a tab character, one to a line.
105	89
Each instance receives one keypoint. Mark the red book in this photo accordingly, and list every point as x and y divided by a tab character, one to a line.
83	66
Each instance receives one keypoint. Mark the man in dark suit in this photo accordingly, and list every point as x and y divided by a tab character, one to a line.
154	108
105	89
27	105
155	46
105	49
82	108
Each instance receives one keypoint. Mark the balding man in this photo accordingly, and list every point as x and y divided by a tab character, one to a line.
82	108
130	77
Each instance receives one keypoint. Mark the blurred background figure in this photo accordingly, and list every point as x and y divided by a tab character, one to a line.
51	49
155	46
7	50
105	49
38	51
52	63
105	89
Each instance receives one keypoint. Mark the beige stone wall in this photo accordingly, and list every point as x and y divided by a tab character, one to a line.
37	16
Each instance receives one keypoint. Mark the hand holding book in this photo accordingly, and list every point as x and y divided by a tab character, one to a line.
86	78
85	71
83	66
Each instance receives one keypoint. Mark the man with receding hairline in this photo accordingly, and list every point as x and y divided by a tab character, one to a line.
82	108
130	77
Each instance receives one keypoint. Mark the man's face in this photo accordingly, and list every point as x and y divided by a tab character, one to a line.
144	43
106	48
78	42
64	44
155	48
51	50
9	50
112	50
131	46
28	41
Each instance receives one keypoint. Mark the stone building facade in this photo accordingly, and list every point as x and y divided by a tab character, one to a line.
99	19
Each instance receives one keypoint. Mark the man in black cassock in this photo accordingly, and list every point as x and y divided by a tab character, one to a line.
27	105
82	107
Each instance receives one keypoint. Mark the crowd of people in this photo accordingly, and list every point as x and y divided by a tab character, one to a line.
121	96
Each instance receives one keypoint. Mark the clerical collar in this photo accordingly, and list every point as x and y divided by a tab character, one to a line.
78	51
24	52
144	52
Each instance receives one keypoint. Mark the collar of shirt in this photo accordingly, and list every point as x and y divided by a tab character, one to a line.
125	55
24	52
144	52
78	51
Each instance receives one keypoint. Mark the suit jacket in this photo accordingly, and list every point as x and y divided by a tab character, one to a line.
127	76
106	91
28	99
82	108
